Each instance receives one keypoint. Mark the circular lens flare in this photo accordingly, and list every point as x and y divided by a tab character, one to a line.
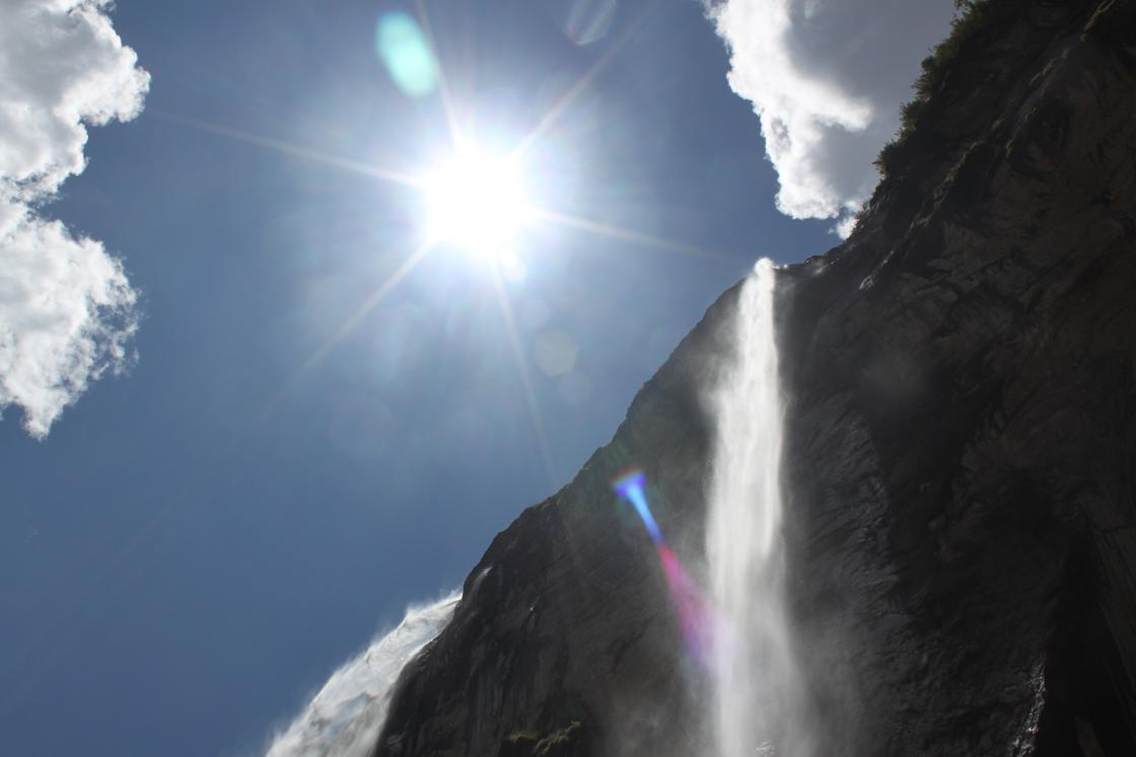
477	201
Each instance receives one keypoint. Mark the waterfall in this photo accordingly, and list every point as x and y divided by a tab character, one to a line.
344	718
756	686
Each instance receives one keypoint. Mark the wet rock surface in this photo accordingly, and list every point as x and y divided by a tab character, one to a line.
960	465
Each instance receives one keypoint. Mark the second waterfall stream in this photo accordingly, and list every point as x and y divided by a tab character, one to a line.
756	707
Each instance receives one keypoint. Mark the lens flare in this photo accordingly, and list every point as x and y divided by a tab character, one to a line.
406	54
694	617
630	487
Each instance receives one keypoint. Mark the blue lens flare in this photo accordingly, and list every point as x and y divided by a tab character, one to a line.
631	487
694	618
406	53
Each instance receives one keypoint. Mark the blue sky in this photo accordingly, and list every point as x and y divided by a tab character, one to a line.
196	544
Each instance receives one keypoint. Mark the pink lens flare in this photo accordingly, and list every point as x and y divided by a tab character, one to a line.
695	621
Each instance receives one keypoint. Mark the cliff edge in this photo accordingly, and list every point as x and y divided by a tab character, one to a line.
960	467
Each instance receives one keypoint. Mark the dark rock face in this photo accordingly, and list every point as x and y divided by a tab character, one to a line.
960	464
564	642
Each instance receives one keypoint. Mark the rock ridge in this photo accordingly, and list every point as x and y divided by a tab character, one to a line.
960	460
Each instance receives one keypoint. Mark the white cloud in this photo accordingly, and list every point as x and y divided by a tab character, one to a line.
827	79
66	307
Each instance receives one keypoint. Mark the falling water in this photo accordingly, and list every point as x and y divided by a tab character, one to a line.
344	718
756	686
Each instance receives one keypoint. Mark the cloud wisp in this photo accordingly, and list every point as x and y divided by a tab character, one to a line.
67	309
344	718
826	79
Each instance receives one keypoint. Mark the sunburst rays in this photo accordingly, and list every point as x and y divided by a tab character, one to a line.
416	182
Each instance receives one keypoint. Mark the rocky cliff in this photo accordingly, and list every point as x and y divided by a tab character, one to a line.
960	461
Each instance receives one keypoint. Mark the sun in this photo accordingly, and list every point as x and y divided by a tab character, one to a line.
477	201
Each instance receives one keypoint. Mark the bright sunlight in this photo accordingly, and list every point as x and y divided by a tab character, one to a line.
477	201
